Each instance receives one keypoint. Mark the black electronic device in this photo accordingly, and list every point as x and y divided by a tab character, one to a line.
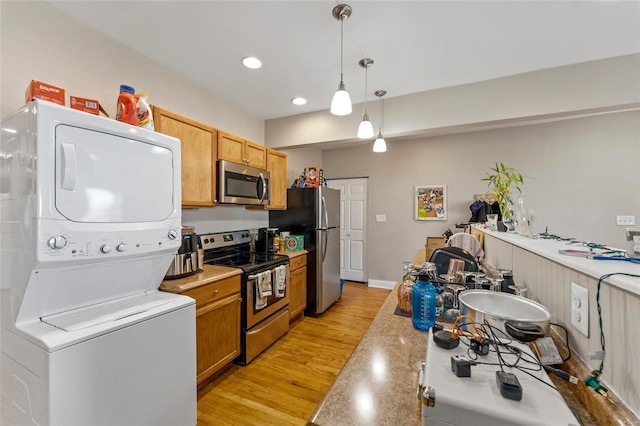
480	346
523	331
461	366
445	339
509	385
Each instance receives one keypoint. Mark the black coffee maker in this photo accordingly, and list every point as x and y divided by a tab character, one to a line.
266	242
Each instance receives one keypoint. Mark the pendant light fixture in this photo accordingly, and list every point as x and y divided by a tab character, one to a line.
380	145
341	103
365	130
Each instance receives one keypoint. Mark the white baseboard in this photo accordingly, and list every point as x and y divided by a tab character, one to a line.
382	284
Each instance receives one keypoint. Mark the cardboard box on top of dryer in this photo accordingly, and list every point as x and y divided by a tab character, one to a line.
44	91
87	105
91	106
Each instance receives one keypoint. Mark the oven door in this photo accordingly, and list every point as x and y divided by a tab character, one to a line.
274	304
239	184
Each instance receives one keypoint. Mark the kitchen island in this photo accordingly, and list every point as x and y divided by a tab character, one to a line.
377	386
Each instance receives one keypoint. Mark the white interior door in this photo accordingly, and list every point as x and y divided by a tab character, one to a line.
353	228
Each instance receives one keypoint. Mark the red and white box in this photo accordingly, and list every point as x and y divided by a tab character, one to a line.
46	92
91	106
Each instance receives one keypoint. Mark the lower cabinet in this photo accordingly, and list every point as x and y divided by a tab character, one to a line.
297	286
217	325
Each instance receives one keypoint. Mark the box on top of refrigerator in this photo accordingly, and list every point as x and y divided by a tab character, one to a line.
44	91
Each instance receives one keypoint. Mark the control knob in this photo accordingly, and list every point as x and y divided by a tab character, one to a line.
173	234
105	249
57	242
120	247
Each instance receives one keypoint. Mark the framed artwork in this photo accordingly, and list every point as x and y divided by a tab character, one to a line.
430	202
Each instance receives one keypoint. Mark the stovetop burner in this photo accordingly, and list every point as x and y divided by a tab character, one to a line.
233	249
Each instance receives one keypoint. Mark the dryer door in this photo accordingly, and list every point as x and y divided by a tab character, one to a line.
105	178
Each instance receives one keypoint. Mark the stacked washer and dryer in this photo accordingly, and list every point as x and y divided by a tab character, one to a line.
91	217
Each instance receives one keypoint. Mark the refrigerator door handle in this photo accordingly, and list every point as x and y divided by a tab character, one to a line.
326	214
324	243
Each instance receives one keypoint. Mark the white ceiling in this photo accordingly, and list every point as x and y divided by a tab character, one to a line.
416	45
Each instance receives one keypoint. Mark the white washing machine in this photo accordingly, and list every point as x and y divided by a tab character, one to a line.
90	219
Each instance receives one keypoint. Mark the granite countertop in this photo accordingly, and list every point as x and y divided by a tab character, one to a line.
377	385
209	274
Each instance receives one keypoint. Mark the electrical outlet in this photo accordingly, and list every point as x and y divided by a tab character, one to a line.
580	308
626	220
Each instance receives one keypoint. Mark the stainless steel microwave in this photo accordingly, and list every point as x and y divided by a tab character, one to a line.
240	184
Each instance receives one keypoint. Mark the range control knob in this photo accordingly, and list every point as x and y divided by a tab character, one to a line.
120	247
57	242
105	249
173	234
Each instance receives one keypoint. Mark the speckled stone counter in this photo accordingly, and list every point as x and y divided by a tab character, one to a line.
376	385
209	274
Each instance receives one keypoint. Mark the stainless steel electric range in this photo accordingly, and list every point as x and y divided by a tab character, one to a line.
264	320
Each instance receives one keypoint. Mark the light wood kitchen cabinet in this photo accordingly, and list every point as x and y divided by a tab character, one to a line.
297	285
217	325
277	168
199	153
234	148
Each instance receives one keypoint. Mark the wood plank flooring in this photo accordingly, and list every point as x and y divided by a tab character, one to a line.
284	385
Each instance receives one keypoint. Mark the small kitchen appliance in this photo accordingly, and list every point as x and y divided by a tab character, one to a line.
266	242
261	325
185	262
87	338
242	184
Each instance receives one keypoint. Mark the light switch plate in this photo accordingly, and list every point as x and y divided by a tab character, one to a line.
381	218
625	220
580	308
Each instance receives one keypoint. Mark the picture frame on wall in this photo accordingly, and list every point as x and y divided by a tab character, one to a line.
430	202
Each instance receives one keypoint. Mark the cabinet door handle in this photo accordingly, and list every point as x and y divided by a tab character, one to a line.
216	291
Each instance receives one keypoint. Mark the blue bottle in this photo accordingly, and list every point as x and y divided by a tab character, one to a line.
424	305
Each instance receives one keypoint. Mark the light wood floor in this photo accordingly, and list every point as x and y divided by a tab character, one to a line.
284	385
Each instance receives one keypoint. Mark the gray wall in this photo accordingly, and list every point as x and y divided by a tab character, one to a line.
580	173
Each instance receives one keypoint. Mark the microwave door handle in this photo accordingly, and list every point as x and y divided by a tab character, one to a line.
264	187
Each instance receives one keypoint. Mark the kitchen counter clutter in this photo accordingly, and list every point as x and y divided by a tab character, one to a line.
549	249
377	385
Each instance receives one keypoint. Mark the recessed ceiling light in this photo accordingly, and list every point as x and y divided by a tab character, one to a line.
299	101
251	62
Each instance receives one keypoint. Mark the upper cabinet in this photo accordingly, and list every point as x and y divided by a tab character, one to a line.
199	153
234	148
277	168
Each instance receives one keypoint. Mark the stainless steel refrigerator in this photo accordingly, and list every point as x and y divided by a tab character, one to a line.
315	213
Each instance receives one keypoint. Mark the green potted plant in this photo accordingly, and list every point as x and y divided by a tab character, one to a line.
500	180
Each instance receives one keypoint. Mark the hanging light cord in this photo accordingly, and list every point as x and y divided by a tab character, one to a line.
342	18
381	115
366	77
